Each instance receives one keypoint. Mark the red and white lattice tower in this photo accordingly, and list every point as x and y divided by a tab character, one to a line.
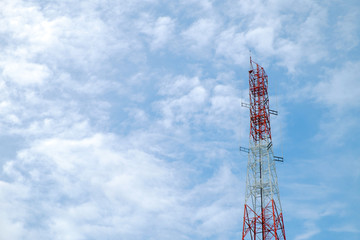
263	218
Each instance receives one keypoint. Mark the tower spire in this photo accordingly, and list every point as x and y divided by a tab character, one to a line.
263	218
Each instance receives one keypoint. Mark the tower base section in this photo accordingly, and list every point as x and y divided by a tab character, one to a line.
268	224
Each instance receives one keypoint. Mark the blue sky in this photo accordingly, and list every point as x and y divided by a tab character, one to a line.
122	119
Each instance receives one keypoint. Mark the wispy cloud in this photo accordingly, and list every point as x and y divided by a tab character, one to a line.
96	184
311	230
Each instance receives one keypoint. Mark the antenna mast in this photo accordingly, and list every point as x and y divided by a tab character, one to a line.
263	218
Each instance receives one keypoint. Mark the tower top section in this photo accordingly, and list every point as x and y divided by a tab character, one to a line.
259	104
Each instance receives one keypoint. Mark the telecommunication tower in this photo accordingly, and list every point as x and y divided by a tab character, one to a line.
263	218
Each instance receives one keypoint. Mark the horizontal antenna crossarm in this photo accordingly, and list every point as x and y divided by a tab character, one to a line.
243	104
244	149
273	112
278	159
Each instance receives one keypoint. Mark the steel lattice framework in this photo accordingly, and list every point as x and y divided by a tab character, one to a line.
263	218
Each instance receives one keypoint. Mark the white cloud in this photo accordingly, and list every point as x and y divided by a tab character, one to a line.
200	34
184	108
11	197
220	215
225	106
88	187
178	86
262	38
311	230
83	174
55	34
225	46
295	38
203	4
340	87
186	99
193	102
347	31
12	230
346	228
162	32
338	91
24	73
